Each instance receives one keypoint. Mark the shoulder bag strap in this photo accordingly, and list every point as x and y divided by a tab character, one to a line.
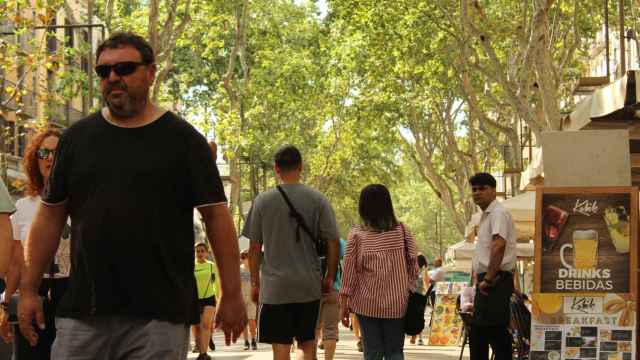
296	215
407	258
406	247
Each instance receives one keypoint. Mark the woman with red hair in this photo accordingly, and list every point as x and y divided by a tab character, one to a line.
37	163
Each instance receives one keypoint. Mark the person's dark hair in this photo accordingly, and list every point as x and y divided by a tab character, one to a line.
288	158
376	208
422	261
201	243
482	178
120	39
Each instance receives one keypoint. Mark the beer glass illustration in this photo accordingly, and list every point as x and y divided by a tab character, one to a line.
585	250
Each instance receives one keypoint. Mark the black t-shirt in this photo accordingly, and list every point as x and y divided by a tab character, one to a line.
131	194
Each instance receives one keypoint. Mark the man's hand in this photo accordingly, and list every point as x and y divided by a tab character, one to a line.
6	330
327	285
30	309
231	316
484	288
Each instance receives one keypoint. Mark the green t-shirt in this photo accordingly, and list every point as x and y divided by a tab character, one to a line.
207	286
6	204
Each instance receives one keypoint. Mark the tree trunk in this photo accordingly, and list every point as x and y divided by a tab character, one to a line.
547	86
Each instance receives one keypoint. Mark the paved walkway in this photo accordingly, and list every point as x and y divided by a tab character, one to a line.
346	350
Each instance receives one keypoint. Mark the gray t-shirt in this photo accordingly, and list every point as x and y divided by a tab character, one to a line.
6	204
290	269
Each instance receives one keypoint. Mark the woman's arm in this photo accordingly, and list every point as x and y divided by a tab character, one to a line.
13	274
425	279
349	270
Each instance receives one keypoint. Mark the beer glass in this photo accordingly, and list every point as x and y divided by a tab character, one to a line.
585	250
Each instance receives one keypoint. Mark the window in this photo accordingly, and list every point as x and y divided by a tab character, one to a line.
68	35
21	137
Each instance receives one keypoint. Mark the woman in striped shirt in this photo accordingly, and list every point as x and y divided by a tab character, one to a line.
380	268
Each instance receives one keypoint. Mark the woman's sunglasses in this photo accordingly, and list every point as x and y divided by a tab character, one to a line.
44	153
121	69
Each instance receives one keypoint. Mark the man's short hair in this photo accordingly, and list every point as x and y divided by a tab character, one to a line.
120	39
483	178
288	158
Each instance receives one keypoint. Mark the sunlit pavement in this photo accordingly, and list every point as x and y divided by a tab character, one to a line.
346	349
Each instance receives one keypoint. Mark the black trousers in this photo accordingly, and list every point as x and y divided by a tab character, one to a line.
51	291
491	320
481	337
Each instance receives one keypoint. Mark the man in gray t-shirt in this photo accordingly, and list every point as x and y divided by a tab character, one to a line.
6	238
285	268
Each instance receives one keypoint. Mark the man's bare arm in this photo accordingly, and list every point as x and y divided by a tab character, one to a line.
6	243
41	245
224	243
498	246
333	253
255	258
231	314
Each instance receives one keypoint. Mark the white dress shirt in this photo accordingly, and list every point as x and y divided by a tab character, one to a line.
495	220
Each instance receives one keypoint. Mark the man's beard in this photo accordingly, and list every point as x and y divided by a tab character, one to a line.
125	104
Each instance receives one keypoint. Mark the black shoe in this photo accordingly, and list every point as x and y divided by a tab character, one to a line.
212	346
247	346
203	356
254	346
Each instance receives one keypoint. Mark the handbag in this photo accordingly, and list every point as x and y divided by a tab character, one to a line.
414	316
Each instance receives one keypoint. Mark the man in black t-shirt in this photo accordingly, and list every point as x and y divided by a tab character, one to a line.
130	176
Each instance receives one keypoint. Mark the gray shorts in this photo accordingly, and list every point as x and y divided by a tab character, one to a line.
115	337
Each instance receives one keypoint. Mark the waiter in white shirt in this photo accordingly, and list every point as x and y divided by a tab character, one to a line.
493	263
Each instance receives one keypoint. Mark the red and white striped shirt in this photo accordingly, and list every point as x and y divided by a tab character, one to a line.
377	273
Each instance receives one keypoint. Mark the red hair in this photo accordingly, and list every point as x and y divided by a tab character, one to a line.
35	183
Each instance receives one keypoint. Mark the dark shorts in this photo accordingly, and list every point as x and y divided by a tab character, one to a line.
281	323
210	301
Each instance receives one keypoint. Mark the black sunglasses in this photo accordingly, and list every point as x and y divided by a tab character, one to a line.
44	153
121	69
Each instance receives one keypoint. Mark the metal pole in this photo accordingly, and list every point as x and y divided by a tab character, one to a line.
90	62
623	65
606	36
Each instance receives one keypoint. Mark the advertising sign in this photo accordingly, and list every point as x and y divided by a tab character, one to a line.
446	325
585	279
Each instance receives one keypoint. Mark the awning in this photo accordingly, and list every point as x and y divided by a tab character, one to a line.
615	102
465	250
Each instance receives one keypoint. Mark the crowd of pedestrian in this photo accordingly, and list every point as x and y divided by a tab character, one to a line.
104	266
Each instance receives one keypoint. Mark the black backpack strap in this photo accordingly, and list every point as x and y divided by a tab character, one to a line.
296	215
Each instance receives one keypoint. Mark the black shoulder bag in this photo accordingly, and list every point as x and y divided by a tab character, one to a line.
414	317
321	246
